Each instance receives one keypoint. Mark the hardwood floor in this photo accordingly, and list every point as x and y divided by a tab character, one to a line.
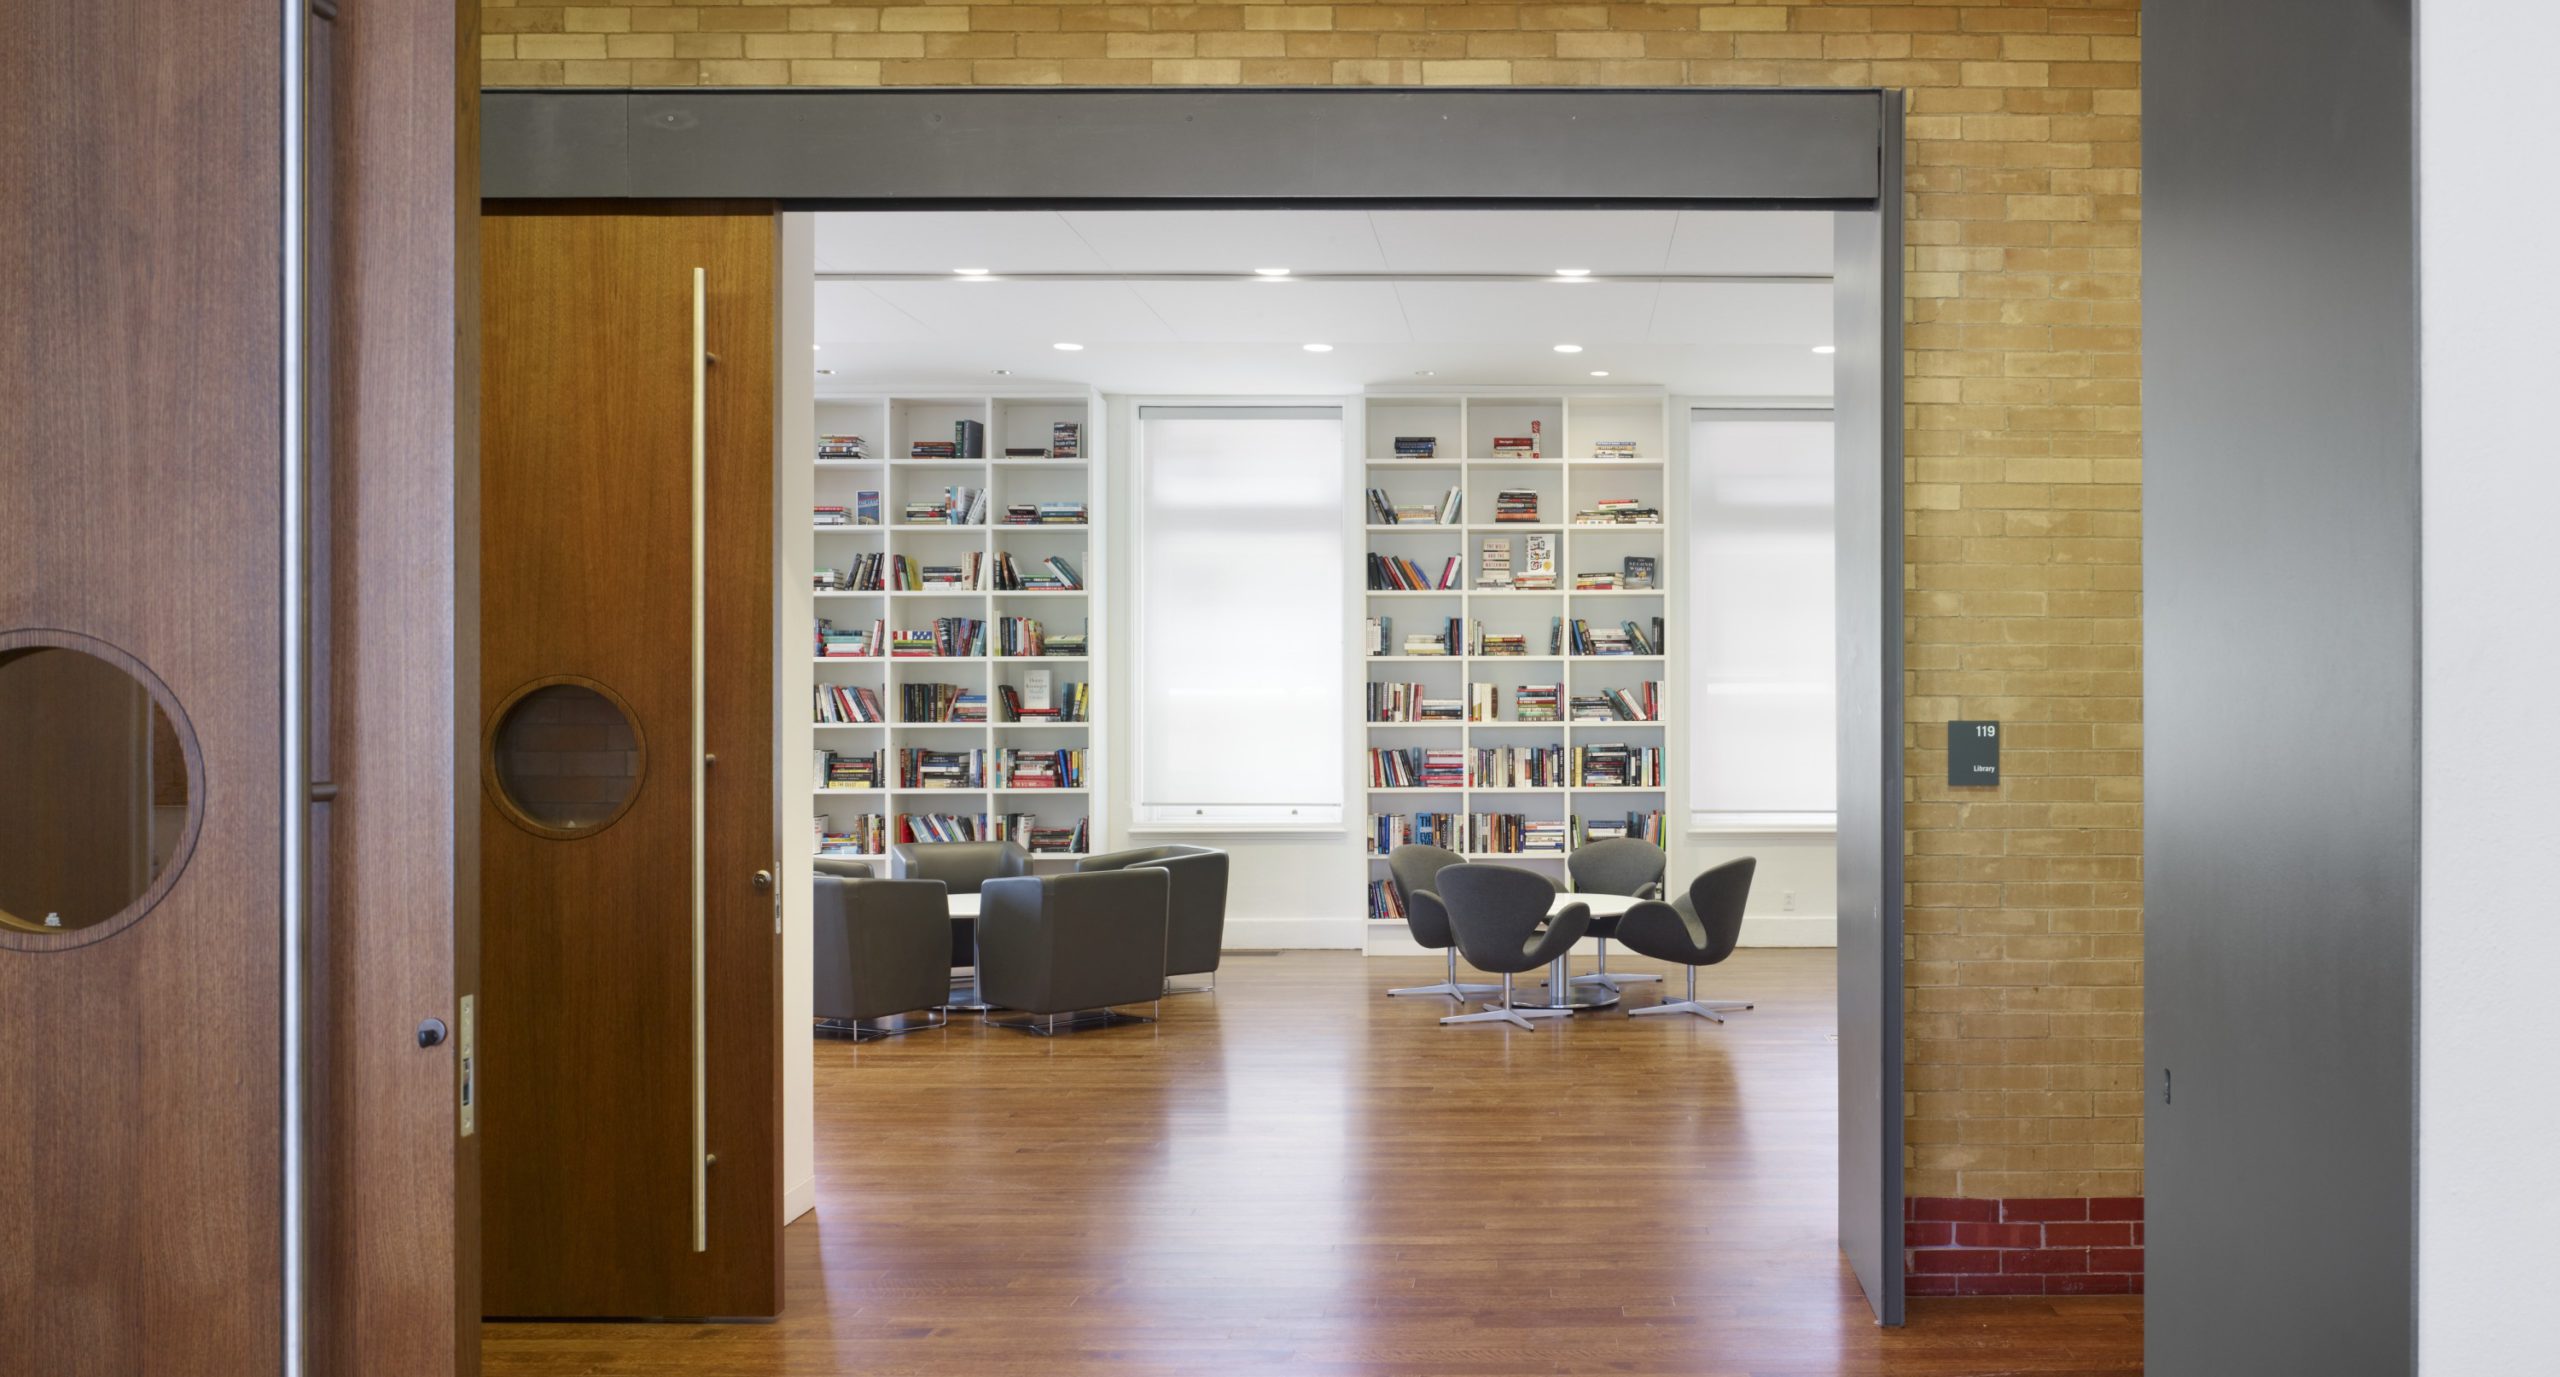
1296	1177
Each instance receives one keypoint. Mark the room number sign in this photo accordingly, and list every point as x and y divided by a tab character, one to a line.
1973	754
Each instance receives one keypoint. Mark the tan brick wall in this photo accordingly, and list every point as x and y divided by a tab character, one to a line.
2024	430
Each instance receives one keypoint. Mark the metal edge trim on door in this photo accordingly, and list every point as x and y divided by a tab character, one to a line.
701	771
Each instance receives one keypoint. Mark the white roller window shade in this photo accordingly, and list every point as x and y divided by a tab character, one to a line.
1240	641
1764	695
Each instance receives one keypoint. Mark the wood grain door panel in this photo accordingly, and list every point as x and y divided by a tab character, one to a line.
586	1027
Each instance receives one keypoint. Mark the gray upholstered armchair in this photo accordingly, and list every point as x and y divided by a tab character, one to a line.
961	867
1196	923
1614	865
1063	949
878	949
1413	866
1700	928
1495	913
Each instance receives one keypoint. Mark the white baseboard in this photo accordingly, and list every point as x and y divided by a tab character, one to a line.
1779	930
1294	934
801	1198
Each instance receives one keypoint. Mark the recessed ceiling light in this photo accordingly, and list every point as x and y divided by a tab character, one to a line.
970	272
1317	348
1070	348
1599	372
817	348
1271	272
1826	349
826	372
1002	372
1568	348
1426	373
1573	272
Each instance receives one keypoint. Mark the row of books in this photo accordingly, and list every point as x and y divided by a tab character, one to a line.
1517	767
843	447
1509	834
1029	830
1626	639
840	770
1038	701
1411	703
865	511
1018	768
1417	446
1617	766
846	703
1380	634
1052	574
865	834
1037	513
863	575
1634	573
941	703
1613	766
1389	573
924	768
968	441
958	506
913	575
1383	512
947	638
1618	511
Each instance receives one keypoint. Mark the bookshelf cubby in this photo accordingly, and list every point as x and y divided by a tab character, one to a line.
1599	456
990	763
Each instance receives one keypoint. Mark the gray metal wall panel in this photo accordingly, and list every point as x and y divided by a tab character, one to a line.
1867	311
2280	511
870	147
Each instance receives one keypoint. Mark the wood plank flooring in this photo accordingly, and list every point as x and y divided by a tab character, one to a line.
1297	1177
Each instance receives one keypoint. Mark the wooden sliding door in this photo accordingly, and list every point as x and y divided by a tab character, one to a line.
630	1032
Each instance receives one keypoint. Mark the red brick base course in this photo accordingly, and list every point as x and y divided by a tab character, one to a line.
1955	1247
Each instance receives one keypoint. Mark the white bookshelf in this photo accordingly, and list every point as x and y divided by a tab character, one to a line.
1568	478
890	423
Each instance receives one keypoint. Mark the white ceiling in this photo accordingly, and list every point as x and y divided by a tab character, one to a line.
1241	335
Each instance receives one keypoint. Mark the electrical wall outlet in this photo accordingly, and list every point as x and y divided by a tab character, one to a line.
1787	901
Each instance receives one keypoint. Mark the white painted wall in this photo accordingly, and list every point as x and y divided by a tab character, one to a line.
2489	1023
795	439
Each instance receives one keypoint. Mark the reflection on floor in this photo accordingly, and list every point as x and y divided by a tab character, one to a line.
1296	1177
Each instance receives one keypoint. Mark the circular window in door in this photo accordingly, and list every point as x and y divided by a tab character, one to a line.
101	790
564	757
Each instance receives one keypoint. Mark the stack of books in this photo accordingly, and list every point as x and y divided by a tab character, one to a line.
1029	513
825	515
1605	581
846	703
1627	639
1518	767
1017	768
837	771
1066	440
1493	565
1613	449
843	447
865	835
1500	643
1064	643
959	506
1393	573
1636	571
1417	446
915	576
1616	765
941	703
932	449
847	643
1515	447
1536	702
1618	511
1052	575
922	768
1515	504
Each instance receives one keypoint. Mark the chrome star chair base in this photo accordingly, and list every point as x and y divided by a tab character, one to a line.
1449	988
1504	1012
